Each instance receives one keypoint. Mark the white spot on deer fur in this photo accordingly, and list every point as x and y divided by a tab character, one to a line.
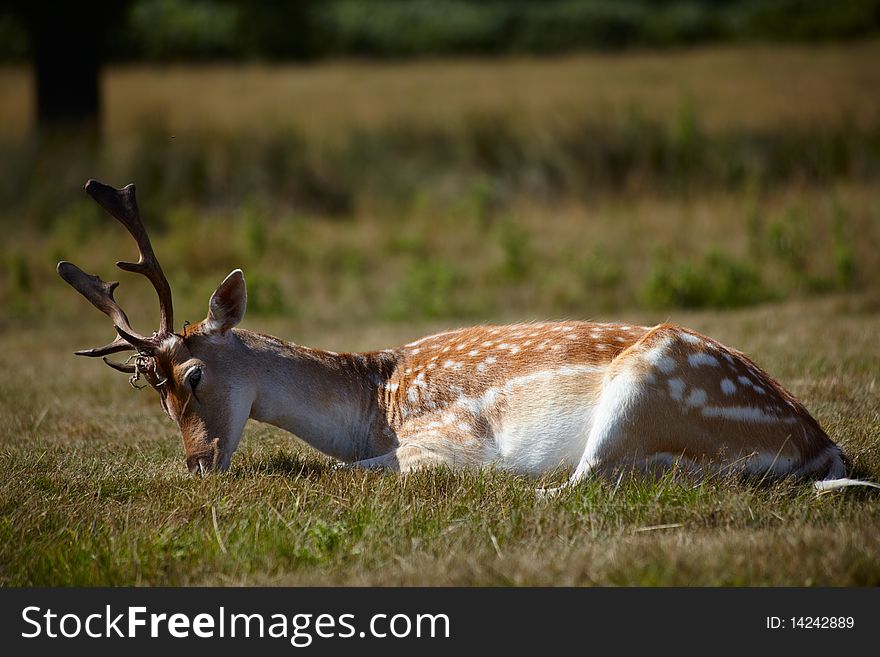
413	394
445	349
746	381
503	345
514	350
415	351
690	337
676	388
460	347
456	367
488	343
697	397
527	343
566	329
449	363
473	352
728	387
659	359
728	358
391	387
759	390
431	366
420	380
666	364
481	368
571	337
695	360
620	338
744	414
490	360
408	370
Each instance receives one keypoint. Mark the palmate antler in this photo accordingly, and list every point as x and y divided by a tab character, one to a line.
122	205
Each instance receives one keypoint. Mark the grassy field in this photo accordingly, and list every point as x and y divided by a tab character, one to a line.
94	490
732	190
784	85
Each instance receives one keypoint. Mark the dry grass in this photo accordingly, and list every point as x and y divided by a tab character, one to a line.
743	87
94	490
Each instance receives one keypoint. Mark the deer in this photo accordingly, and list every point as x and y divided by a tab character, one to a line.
530	398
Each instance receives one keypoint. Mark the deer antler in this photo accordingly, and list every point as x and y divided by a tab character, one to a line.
122	205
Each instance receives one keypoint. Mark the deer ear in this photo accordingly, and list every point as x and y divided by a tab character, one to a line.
228	304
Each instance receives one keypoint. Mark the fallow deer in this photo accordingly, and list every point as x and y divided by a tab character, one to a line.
530	398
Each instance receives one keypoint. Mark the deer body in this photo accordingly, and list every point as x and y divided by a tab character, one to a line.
533	398
530	398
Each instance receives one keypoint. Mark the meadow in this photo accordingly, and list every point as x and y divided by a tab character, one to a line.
733	190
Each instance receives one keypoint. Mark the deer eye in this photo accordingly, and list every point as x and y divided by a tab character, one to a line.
193	377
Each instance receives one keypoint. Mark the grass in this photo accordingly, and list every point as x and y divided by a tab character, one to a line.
370	204
792	86
94	490
713	250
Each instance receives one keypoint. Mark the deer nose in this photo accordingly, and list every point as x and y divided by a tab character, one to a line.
199	464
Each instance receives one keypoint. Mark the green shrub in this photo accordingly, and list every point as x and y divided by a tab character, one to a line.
431	288
717	281
599	272
846	268
788	242
265	295
514	242
20	294
256	230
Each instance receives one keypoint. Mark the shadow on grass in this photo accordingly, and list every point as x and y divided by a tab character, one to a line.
281	464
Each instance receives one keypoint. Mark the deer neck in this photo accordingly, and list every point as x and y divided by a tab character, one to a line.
331	401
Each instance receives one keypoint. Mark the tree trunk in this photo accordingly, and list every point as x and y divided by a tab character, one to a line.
68	40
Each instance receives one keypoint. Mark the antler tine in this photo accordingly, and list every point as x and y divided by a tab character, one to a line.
128	368
122	205
100	295
119	344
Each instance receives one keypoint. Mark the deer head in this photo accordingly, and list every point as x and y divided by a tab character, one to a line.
193	372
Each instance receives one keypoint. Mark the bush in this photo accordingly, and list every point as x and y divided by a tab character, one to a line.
432	288
264	295
717	281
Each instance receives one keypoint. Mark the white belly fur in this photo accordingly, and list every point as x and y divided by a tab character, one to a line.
542	429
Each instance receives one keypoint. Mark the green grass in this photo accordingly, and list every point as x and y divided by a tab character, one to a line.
94	489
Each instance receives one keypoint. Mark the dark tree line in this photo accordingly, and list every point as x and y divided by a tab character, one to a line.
68	41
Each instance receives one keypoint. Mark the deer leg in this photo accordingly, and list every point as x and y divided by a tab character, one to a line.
613	437
448	445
